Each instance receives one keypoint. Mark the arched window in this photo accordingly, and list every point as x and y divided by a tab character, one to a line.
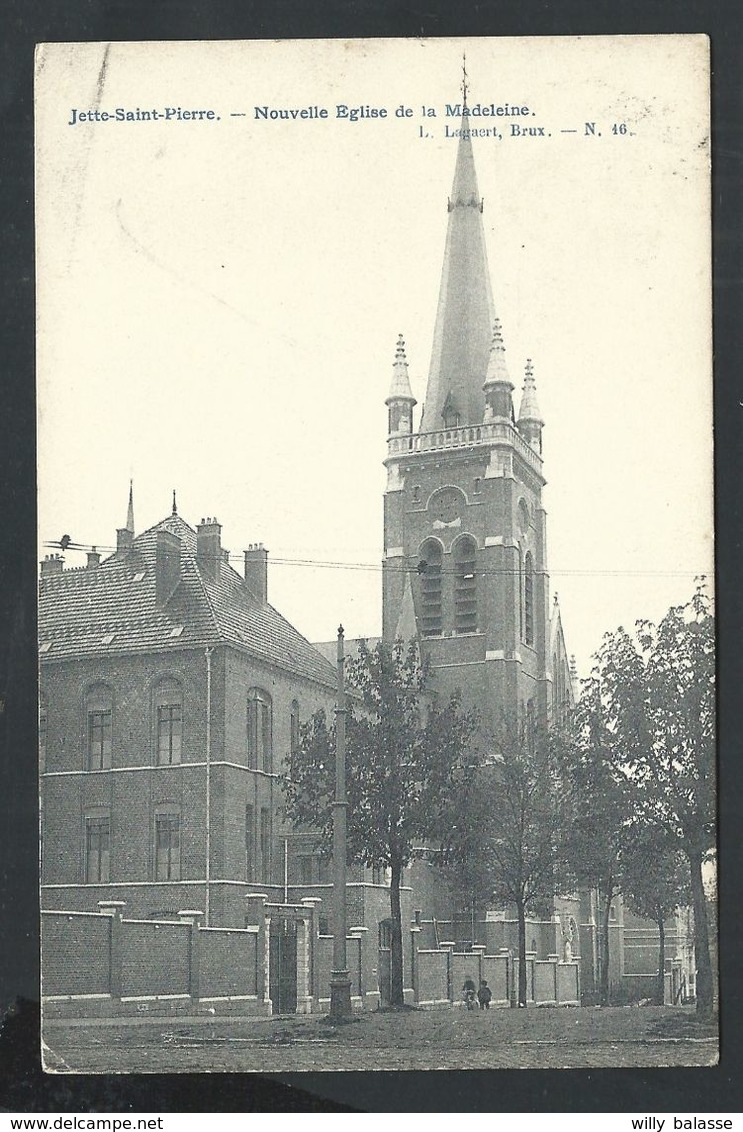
99	715
465	585
430	575
169	722
294	728
528	599
259	727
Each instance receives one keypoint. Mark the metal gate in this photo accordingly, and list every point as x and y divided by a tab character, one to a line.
282	965
385	962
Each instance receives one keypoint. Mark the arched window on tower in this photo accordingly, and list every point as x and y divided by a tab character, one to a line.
465	585
528	599
430	575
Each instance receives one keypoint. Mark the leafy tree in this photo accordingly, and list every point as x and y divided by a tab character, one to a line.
505	826
402	757
654	703
599	811
655	881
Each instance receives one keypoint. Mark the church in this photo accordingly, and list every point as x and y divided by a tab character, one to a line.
465	558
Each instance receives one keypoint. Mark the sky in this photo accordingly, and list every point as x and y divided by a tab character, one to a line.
219	299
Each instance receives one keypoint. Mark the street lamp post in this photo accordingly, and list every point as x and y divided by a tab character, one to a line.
340	982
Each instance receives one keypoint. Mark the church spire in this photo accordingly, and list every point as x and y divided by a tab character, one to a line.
130	509
465	314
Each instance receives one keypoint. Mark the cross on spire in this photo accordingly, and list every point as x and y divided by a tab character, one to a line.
465	86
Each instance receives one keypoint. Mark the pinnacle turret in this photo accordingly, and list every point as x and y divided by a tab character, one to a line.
400	400
530	422
498	386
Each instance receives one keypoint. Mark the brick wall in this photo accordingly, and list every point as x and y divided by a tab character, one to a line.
75	953
227	962
154	958
433	983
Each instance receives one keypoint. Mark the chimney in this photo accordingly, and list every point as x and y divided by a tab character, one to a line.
209	547
94	558
256	571
124	539
167	565
52	564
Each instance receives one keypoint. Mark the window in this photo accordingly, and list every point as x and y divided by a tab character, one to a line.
465	586
259	730
169	722
378	875
294	728
249	843
97	848
304	868
168	846
430	574
265	844
99	710
528	599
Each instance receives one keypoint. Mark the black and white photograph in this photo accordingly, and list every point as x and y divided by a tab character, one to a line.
375	525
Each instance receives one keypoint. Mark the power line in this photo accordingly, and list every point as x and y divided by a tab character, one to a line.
327	564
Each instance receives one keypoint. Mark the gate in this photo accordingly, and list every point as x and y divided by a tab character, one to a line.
282	965
385	962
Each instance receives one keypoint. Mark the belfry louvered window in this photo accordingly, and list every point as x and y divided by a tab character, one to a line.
465	586
528	599
430	575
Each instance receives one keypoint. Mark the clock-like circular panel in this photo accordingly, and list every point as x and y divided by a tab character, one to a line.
447	504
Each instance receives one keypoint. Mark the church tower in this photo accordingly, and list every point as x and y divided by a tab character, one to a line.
464	524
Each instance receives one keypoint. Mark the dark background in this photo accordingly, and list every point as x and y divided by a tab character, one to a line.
22	1085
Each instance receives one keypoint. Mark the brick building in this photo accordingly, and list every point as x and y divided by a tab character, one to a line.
170	694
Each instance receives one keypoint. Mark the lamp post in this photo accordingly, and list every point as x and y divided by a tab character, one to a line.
340	983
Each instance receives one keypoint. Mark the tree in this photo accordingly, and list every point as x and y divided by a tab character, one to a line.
655	881
402	757
655	704
505	826
597	817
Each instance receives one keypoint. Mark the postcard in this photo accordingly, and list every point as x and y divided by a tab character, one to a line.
376	616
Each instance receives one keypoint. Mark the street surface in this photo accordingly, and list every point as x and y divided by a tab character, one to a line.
437	1038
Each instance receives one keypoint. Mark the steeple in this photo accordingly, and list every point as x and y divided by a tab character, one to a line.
130	509
498	387
175	505
400	400
465	314
530	421
125	535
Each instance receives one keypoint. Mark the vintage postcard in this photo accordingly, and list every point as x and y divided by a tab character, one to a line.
411	337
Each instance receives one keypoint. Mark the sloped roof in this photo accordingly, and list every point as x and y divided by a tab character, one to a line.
79	608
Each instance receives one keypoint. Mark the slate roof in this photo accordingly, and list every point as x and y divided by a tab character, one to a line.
79	608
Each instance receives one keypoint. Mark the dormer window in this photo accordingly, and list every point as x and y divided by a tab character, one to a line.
450	412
